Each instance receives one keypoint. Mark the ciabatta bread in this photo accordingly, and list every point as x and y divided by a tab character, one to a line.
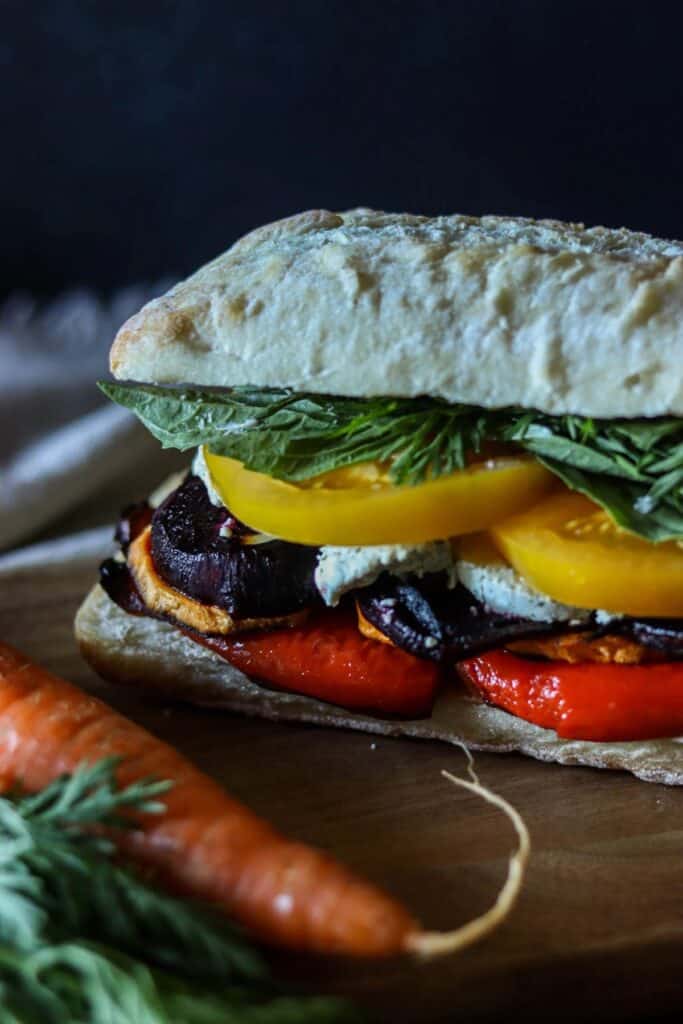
491	311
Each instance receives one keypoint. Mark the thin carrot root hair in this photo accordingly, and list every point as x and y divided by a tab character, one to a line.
429	944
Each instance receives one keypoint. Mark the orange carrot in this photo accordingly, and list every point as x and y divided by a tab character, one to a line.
205	844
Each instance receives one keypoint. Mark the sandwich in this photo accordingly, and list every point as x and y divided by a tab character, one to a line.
434	487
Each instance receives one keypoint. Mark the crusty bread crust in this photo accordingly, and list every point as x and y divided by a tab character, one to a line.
492	311
150	654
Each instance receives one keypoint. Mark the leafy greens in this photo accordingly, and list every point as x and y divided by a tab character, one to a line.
85	941
632	468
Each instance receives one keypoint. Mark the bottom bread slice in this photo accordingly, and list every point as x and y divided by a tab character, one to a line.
146	653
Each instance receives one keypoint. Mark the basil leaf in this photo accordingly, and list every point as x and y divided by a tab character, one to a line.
645	434
547	445
294	436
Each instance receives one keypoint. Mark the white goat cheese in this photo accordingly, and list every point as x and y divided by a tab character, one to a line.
498	586
341	569
200	469
602	618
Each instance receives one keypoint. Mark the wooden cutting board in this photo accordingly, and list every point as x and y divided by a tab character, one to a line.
598	932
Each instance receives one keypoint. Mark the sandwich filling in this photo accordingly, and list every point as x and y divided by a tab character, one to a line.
368	552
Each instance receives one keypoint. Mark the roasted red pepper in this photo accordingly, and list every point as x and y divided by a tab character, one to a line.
583	701
328	658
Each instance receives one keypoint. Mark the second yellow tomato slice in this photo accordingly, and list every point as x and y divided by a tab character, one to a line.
571	550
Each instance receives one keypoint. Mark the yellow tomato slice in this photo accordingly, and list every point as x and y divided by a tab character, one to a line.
571	550
360	505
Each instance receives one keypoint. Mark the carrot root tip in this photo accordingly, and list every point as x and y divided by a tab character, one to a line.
428	944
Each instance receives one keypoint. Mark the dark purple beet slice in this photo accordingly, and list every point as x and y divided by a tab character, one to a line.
403	614
663	635
248	580
429	620
133	521
424	617
471	627
119	585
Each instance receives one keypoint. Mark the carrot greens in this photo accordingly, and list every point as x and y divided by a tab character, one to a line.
84	940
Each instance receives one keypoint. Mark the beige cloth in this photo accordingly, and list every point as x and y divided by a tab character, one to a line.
60	440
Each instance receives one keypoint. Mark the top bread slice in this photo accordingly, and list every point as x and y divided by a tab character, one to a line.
490	311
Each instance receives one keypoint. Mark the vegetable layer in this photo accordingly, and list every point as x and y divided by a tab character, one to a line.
632	468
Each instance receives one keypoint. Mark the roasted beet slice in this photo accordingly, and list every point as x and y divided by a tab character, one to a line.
117	582
247	580
427	619
401	612
134	519
470	626
664	635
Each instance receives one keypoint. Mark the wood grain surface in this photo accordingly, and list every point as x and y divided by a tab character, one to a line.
598	932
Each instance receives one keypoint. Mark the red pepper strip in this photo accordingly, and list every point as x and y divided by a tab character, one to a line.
583	701
328	658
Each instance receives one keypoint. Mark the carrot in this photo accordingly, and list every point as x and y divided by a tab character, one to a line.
205	844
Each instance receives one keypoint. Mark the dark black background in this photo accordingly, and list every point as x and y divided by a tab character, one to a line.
139	139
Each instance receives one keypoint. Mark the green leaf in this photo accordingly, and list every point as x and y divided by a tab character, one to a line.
89	983
91	796
542	442
297	436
